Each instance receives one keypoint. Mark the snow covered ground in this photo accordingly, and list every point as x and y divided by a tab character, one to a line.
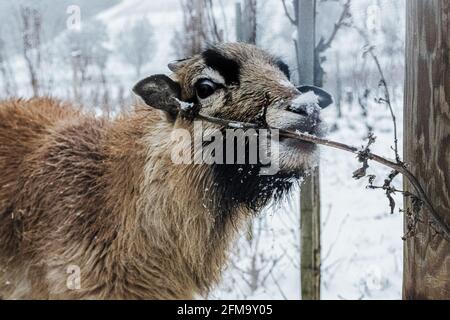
361	240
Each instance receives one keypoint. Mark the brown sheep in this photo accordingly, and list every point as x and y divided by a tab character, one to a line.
79	191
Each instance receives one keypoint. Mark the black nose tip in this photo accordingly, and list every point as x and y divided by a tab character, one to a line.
305	110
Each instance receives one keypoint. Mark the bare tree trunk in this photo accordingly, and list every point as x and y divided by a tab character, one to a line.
310	237
310	192
427	144
31	38
199	27
250	21
239	22
338	99
9	87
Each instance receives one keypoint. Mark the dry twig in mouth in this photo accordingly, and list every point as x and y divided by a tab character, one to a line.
364	156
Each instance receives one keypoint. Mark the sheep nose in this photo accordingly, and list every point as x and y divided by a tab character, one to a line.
322	98
304	110
301	111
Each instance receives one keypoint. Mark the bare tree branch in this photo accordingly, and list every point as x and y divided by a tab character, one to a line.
387	100
383	84
364	155
324	45
288	15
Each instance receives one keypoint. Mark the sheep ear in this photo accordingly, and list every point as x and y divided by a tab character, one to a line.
160	92
177	64
325	99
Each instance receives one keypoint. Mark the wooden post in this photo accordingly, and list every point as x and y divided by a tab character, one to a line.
310	237
427	143
310	191
249	21
246	21
306	39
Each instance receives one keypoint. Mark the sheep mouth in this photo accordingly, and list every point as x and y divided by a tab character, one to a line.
308	126
298	144
306	121
297	111
313	128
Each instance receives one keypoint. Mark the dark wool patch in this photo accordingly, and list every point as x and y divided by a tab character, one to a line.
228	68
284	68
241	184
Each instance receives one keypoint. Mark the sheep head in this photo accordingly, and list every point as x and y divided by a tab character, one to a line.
237	81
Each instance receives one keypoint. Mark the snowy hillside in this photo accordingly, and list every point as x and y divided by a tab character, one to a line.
164	17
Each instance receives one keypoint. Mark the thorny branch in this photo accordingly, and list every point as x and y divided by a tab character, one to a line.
364	156
382	84
418	201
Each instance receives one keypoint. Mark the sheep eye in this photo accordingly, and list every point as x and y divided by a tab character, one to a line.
205	88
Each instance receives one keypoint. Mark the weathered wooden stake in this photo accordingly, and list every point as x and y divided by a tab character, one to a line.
310	191
427	144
